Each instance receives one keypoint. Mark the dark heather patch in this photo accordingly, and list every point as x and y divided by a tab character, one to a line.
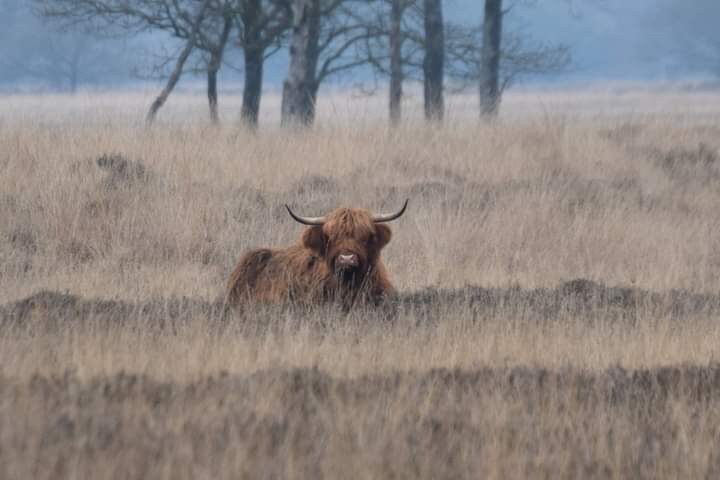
122	171
50	310
430	424
23	240
76	251
695	165
583	300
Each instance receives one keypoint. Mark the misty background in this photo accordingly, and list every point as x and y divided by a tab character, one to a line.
608	40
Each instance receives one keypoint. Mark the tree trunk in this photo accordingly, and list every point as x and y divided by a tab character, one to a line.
171	82
252	90
254	57
300	87
433	66
396	71
216	58
490	94
213	68
179	64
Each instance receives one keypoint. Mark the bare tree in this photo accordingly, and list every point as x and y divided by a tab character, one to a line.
203	25
399	49
299	87
179	64
213	40
396	39
385	48
324	37
519	54
394	48
433	66
263	24
469	66
490	58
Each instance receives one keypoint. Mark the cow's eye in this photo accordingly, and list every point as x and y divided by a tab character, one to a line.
370	239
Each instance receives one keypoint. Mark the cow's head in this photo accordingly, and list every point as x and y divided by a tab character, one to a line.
348	239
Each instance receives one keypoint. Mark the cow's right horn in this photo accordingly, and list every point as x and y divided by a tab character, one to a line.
388	217
312	221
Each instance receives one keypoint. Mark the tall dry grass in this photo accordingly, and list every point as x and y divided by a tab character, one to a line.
629	200
126	367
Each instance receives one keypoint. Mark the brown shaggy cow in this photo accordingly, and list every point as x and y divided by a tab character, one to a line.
337	259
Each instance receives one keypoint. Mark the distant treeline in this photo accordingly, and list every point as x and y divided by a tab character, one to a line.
61	44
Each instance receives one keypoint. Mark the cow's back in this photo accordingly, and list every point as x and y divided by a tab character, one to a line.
249	270
269	275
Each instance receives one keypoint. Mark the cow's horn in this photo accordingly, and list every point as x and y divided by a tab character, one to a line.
312	221
389	217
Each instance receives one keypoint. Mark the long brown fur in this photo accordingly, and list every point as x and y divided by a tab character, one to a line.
304	273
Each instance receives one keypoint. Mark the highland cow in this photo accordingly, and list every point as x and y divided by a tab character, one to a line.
337	259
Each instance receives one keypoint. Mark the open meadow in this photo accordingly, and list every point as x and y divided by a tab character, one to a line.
558	270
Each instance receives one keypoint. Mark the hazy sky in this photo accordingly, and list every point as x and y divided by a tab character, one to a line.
609	40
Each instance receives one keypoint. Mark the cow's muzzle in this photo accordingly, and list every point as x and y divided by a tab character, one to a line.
347	261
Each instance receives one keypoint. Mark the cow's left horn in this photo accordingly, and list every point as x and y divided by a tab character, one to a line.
389	217
312	221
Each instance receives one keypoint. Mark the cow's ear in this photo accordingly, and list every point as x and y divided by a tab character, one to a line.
314	239
383	235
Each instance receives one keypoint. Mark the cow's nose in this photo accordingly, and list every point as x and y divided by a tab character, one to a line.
347	260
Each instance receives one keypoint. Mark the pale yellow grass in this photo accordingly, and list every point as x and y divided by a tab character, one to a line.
540	225
351	351
531	202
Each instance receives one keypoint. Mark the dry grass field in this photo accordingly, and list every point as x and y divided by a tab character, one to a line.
558	315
